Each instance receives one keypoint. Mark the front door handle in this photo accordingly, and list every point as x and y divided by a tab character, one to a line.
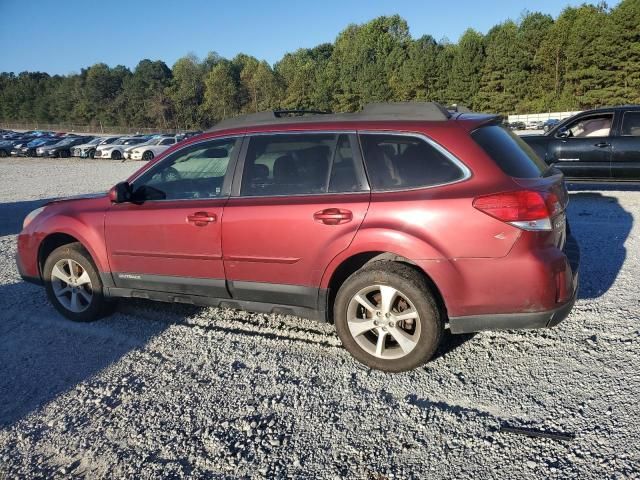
202	219
602	145
333	216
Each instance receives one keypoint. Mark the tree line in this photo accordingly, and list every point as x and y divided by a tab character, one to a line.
587	57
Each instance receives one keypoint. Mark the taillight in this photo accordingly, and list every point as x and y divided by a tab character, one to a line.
526	209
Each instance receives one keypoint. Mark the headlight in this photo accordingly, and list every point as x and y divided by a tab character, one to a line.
32	215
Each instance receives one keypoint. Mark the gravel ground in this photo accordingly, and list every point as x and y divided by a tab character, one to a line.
171	391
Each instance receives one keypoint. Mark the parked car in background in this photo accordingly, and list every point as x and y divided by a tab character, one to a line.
391	223
148	139
115	150
87	150
150	149
602	144
549	124
517	126
30	149
8	145
62	148
19	143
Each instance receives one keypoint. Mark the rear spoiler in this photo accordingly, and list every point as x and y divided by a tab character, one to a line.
476	120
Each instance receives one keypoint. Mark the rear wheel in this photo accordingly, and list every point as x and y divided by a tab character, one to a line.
147	155
92	153
73	284
116	155
387	318
3	153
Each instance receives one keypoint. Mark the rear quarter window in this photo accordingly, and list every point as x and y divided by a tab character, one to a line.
514	157
399	162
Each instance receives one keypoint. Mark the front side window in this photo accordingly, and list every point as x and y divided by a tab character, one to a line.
195	172
398	162
300	164
631	124
168	141
593	126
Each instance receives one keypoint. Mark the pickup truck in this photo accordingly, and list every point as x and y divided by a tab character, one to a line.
602	144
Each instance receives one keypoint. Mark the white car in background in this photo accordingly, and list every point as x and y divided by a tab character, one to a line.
151	149
115	150
87	150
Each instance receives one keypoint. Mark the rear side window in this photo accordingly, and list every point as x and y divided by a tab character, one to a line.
300	164
398	162
514	157
631	124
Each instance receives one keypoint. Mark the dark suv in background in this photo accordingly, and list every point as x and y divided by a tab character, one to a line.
602	144
393	223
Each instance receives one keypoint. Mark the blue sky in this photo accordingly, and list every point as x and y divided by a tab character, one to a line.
64	35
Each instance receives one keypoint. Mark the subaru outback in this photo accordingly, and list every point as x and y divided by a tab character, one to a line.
394	223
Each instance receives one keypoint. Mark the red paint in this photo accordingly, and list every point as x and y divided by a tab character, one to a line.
479	264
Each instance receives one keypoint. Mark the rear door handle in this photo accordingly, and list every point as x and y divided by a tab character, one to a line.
202	219
333	216
602	145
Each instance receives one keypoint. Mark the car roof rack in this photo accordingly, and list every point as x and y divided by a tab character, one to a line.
399	111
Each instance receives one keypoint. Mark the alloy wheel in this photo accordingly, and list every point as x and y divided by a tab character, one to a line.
384	322
71	285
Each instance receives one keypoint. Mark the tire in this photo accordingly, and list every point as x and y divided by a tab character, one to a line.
147	156
3	154
116	155
408	292
73	284
92	154
64	154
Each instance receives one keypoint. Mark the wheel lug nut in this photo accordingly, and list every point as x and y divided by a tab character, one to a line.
391	324
376	323
387	315
378	314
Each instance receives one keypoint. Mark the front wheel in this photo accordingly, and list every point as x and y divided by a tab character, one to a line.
148	155
116	155
387	318
73	284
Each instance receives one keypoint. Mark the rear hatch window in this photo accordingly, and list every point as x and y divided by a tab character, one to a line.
514	157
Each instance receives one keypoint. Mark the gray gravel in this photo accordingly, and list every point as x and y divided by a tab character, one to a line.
170	391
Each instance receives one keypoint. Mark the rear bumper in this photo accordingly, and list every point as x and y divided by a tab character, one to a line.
528	320
512	321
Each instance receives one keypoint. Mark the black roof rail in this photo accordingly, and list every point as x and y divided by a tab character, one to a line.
298	112
399	111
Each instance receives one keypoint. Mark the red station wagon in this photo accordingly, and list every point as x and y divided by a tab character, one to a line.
393	223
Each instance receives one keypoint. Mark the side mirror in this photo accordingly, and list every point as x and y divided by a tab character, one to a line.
120	193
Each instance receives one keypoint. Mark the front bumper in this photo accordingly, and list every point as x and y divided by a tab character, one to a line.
26	277
527	320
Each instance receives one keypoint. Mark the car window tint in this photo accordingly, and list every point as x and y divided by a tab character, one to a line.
509	152
299	164
397	162
195	172
592	126
168	141
631	124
